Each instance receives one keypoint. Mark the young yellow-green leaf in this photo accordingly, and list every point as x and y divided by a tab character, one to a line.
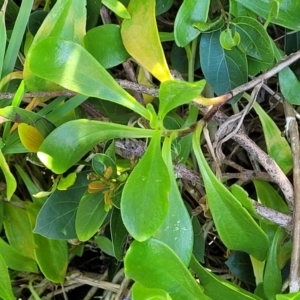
66	145
173	93
236	227
11	183
30	137
117	7
140	292
142	30
144	203
190	12
88	76
229	39
6	292
155	265
66	182
277	146
90	215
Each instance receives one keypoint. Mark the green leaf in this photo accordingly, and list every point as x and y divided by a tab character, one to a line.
36	20
154	265
101	163
243	233
223	69
229	39
51	255
2	35
140	292
88	76
30	137
218	288
11	183
92	11
290	296
190	12
105	44
287	14
6	292
277	146
66	182
173	93
118	233
66	145
255	41
105	244
162	6
15	260
90	215
56	219
117	7
142	29
272	275
177	230
144	203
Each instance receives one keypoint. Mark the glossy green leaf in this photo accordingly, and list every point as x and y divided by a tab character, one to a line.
6	292
117	7
35	21
154	265
106	45
277	146
173	93
144	203
217	288
142	29
162	6
104	244
19	115
290	296
59	24
118	233
190	12
90	215
223	69
66	145
88	76
243	233
92	13
140	292
229	39
18	230
255	41
272	276
56	219
15	260
51	255
177	230
11	183
287	14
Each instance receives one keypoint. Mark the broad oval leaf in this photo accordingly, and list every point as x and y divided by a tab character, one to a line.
255	41
236	227
189	13
154	265
173	93
277	146
141	29
288	14
106	45
144	203
223	69
30	137
72	67
90	215
66	145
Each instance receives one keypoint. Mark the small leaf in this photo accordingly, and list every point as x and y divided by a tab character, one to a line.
173	93
154	265
106	45
243	233
190	12
162	6
88	76
56	219
142	29
30	137
66	182
144	204
140	292
6	292
90	215
289	86
66	145
229	39
117	7
104	244
104	166
277	146
11	183
223	69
